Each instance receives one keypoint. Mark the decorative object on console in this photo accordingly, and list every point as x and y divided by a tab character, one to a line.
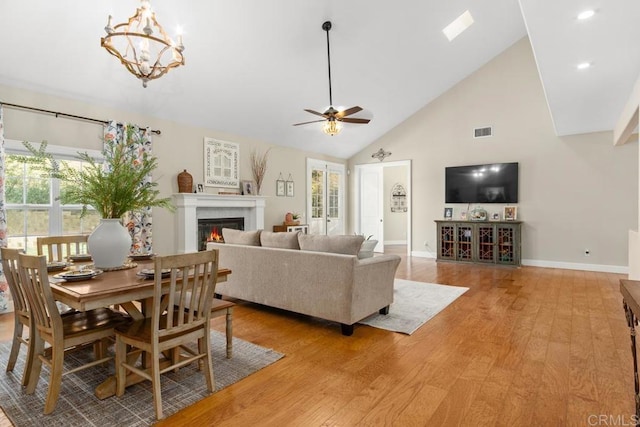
289	186
381	154
478	214
185	182
291	219
258	167
142	45
510	213
221	163
463	215
280	185
495	216
448	213
332	117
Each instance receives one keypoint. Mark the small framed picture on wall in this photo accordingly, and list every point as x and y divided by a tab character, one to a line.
510	213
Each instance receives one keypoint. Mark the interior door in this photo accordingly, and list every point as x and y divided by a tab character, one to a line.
371	205
325	197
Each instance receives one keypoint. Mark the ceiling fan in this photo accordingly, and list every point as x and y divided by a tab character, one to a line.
333	117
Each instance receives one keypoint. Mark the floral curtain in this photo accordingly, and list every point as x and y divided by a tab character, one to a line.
5	297
139	223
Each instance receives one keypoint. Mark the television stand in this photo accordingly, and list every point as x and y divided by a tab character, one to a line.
481	242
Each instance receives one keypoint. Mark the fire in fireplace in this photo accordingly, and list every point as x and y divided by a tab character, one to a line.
210	229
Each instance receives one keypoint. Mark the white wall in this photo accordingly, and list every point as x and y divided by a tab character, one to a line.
179	147
576	193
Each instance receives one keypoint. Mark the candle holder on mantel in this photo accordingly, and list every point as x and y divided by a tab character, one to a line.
185	182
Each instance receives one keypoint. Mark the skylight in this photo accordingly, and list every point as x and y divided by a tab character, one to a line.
460	24
586	14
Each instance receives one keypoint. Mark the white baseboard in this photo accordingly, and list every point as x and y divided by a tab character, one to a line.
394	242
423	254
619	269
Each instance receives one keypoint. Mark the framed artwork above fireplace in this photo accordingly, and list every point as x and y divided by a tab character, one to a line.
221	163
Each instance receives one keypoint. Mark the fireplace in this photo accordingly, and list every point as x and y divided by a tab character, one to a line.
210	229
192	207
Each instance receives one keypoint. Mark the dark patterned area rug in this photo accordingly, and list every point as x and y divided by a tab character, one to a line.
78	406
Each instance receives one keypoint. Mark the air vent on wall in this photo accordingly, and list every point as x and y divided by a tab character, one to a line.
483	132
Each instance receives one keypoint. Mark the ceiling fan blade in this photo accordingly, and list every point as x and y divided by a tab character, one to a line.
306	123
316	113
354	120
348	112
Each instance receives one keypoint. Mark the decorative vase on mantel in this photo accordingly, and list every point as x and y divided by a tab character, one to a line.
185	182
109	244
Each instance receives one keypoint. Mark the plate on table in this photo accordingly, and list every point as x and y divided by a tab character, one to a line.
141	257
56	266
80	257
74	275
149	273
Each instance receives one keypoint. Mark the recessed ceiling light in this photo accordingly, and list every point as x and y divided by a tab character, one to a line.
459	24
586	14
584	65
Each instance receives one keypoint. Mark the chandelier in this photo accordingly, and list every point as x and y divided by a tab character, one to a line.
142	45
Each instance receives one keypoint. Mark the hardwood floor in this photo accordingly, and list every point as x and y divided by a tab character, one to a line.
522	347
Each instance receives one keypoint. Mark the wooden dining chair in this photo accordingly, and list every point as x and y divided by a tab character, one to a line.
61	333
21	314
58	248
180	314
220	307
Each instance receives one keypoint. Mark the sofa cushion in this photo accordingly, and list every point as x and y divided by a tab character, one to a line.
348	245
239	237
269	239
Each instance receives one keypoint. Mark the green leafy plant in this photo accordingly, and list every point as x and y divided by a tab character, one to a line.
116	185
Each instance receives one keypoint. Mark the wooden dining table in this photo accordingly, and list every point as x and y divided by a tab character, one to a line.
126	288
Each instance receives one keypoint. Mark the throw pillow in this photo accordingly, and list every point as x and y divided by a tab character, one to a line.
348	245
269	239
240	237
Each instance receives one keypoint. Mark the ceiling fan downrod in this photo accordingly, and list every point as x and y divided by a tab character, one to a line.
326	26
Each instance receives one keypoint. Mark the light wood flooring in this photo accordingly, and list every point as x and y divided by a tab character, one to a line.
523	347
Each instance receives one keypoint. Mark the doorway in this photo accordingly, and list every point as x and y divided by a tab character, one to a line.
325	197
383	203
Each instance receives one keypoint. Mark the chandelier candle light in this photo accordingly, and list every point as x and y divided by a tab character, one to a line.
142	45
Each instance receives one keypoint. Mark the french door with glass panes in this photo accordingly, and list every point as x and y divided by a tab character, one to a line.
325	197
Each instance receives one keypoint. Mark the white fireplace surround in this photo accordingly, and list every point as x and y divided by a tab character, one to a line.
193	206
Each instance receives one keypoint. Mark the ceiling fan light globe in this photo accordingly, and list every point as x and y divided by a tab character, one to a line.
331	127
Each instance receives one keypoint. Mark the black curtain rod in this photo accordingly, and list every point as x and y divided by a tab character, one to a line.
59	114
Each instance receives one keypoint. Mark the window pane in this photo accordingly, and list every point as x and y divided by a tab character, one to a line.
73	224
38	186
74	165
38	222
14	189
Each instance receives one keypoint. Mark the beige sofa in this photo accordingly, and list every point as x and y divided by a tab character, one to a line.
332	286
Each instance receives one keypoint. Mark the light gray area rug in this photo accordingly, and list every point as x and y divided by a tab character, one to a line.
78	406
414	303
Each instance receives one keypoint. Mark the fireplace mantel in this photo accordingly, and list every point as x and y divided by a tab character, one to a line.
191	206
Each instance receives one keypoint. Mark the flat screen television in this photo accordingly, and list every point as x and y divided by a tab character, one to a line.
490	183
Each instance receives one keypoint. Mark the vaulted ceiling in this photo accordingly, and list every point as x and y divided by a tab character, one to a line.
253	66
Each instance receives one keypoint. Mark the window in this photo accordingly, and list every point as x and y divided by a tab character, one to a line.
31	201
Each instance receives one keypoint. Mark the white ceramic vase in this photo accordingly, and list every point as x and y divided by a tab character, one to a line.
109	244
